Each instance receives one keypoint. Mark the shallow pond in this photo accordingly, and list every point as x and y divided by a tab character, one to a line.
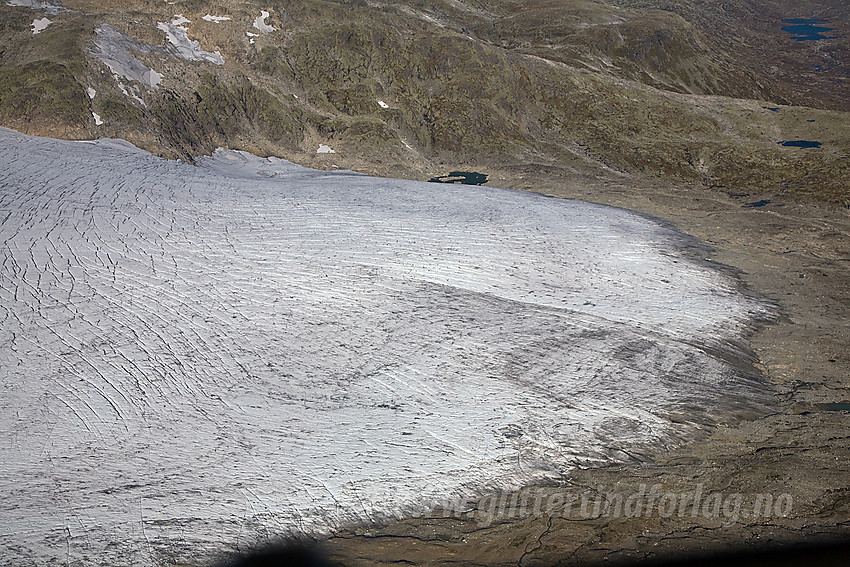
806	29
800	144
464	177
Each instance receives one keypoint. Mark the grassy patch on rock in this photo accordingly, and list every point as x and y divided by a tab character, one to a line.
42	91
220	113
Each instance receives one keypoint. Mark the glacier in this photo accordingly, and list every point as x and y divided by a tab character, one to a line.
195	359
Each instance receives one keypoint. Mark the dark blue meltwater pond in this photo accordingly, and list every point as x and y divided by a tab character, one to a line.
800	144
807	29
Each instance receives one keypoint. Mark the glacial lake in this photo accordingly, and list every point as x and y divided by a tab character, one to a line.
807	29
800	144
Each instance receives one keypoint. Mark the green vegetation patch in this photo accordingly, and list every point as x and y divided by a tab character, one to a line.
42	91
228	109
221	113
119	112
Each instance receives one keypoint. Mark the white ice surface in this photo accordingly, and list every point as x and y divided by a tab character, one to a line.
193	359
325	149
97	120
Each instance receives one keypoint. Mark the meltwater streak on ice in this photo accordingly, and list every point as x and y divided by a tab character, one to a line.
195	358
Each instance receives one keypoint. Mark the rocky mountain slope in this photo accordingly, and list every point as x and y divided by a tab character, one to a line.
698	90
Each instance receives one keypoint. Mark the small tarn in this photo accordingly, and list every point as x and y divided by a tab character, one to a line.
465	177
800	144
806	29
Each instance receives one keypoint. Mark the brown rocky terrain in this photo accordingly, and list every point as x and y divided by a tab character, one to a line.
680	90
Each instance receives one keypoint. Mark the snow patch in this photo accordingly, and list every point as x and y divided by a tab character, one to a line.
52	8
153	78
325	149
215	19
132	91
382	104
260	23
113	49
183	47
39	25
91	92
97	120
180	21
422	15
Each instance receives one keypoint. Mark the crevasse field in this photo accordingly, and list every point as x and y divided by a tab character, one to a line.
193	359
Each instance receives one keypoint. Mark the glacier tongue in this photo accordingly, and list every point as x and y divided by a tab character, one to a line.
198	358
